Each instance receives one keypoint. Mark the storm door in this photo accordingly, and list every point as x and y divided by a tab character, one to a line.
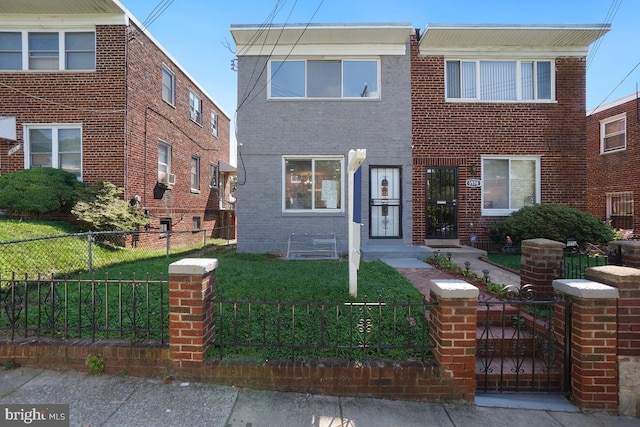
385	202
441	203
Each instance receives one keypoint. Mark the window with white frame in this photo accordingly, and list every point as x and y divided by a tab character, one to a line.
47	50
515	80
313	184
168	86
214	124
54	146
509	183
164	162
195	173
613	134
195	107
213	179
620	210
346	78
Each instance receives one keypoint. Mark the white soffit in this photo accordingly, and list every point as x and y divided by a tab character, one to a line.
565	40
321	39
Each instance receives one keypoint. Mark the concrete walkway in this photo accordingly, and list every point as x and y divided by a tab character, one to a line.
123	401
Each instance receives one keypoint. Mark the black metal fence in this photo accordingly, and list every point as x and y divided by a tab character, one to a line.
577	260
131	309
70	253
271	330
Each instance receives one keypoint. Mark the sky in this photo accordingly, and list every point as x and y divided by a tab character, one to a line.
196	32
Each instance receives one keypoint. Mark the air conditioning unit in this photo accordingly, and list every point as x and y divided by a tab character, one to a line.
171	179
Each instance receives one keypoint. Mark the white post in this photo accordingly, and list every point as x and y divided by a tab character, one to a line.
356	158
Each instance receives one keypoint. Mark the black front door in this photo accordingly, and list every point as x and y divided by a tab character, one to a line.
441	203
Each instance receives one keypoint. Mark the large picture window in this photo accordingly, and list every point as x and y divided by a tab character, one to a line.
499	80
324	79
508	184
48	50
313	184
613	134
57	147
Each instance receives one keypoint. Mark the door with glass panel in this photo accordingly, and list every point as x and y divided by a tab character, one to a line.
441	203
385	202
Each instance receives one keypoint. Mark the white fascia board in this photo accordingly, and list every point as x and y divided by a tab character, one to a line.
325	50
481	52
614	103
62	21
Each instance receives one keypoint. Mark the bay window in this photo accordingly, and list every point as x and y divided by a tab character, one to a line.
509	183
313	184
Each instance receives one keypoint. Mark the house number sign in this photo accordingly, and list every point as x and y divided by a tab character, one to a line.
474	183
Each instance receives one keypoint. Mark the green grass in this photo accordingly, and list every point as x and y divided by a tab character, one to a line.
511	261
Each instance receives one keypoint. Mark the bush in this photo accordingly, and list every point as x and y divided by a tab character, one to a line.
551	221
101	209
38	191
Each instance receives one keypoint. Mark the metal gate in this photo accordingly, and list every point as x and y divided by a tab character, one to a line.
441	212
519	348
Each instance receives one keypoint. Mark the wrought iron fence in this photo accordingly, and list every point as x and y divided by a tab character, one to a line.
575	262
70	253
131	309
276	330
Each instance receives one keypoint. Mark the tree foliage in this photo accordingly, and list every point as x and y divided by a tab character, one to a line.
551	221
38	191
100	208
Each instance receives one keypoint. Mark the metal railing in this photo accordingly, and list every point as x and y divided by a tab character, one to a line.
69	253
131	309
276	330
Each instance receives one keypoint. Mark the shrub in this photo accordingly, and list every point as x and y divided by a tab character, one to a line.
551	221
101	209
38	191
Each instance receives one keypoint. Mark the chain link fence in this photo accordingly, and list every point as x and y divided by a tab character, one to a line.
84	252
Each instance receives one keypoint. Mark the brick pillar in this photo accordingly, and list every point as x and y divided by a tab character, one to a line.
629	250
593	346
192	284
453	326
627	281
541	263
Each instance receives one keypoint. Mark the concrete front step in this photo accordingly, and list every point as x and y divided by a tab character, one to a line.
380	251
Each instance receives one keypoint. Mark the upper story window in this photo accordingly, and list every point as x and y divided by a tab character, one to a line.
195	107
168	86
325	79
473	80
164	162
213	179
48	50
613	134
509	183
313	184
214	124
195	173
54	146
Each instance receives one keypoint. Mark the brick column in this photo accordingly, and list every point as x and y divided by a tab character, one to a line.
629	250
453	326
593	346
627	281
192	284
541	263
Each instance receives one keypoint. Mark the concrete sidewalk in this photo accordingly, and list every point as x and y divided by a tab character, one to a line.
122	401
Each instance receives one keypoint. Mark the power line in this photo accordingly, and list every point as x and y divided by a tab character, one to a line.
618	85
611	13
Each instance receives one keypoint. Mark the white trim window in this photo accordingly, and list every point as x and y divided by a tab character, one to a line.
164	162
168	86
195	108
499	81
54	146
48	50
620	210
312	184
613	134
195	173
509	183
213	176
345	78
214	124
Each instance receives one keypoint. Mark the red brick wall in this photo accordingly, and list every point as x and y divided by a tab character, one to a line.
458	134
613	172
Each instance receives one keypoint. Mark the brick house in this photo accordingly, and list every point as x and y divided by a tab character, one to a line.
307	95
497	123
613	155
85	88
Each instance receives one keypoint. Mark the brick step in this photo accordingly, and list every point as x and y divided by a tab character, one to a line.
494	314
532	375
508	341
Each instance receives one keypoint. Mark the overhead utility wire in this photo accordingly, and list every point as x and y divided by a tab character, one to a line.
611	13
614	89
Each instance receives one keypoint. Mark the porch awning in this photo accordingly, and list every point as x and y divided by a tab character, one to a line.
226	167
8	128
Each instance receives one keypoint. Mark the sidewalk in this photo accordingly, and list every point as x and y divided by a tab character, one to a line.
123	401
